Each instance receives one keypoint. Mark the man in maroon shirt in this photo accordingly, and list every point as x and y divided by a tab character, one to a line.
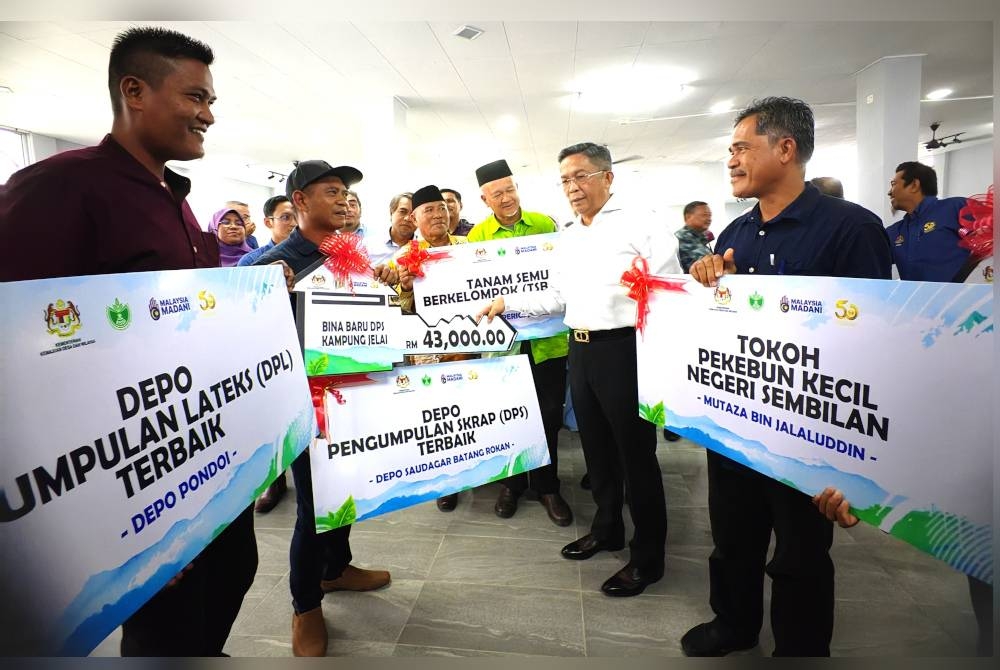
116	208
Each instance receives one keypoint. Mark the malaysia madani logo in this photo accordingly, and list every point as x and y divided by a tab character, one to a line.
119	315
154	309
723	296
62	318
784	304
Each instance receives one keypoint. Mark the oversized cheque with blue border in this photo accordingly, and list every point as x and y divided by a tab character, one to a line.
882	389
140	414
419	432
476	273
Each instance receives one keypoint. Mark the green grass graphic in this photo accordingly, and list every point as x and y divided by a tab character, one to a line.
346	515
318	364
655	414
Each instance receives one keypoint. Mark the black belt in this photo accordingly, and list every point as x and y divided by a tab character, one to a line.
584	336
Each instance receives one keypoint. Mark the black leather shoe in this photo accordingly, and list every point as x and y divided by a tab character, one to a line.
587	546
447	503
629	581
585	481
271	496
714	639
506	503
558	510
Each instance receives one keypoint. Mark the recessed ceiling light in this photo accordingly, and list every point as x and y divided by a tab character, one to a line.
507	123
720	107
5	89
630	89
468	32
939	94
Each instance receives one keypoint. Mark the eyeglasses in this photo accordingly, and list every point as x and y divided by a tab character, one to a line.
284	218
578	179
227	222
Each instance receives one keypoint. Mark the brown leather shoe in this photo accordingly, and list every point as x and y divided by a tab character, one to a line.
271	496
558	510
506	503
447	503
309	633
356	579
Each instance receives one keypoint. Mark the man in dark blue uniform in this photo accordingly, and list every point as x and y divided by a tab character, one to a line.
925	241
318	192
794	229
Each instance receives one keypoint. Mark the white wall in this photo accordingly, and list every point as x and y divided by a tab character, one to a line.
969	171
210	191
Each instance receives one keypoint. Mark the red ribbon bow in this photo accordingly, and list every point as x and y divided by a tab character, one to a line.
346	256
318	386
976	221
414	259
640	284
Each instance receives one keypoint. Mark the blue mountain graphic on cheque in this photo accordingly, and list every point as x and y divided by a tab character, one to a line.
405	494
807	477
106	599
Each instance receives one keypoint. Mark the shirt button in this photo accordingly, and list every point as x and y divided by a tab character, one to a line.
751	270
761	233
195	248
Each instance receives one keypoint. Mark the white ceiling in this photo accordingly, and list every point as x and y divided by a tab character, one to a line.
305	89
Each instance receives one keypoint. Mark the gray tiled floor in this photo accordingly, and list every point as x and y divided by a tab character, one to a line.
470	584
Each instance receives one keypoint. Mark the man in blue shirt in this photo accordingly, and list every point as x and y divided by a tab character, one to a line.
318	192
793	229
280	218
925	242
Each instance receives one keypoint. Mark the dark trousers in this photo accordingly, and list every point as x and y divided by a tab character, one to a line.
313	557
194	616
550	387
618	446
982	605
744	507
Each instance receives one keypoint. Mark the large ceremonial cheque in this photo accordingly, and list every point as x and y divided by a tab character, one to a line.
360	328
417	433
879	388
140	414
464	278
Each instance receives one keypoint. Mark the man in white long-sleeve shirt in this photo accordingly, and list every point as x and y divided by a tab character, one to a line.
619	447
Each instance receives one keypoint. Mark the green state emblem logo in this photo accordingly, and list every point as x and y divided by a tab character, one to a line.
756	301
119	315
426	380
501	252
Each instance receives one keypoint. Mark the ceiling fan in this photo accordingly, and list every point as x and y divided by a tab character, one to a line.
627	159
938	142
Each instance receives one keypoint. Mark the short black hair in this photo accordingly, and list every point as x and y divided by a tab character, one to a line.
272	203
598	154
458	196
693	205
145	52
925	173
779	117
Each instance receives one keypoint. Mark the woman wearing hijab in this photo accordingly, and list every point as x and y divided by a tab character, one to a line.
228	226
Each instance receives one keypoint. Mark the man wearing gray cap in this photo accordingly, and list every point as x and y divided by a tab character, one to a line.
318	193
547	356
